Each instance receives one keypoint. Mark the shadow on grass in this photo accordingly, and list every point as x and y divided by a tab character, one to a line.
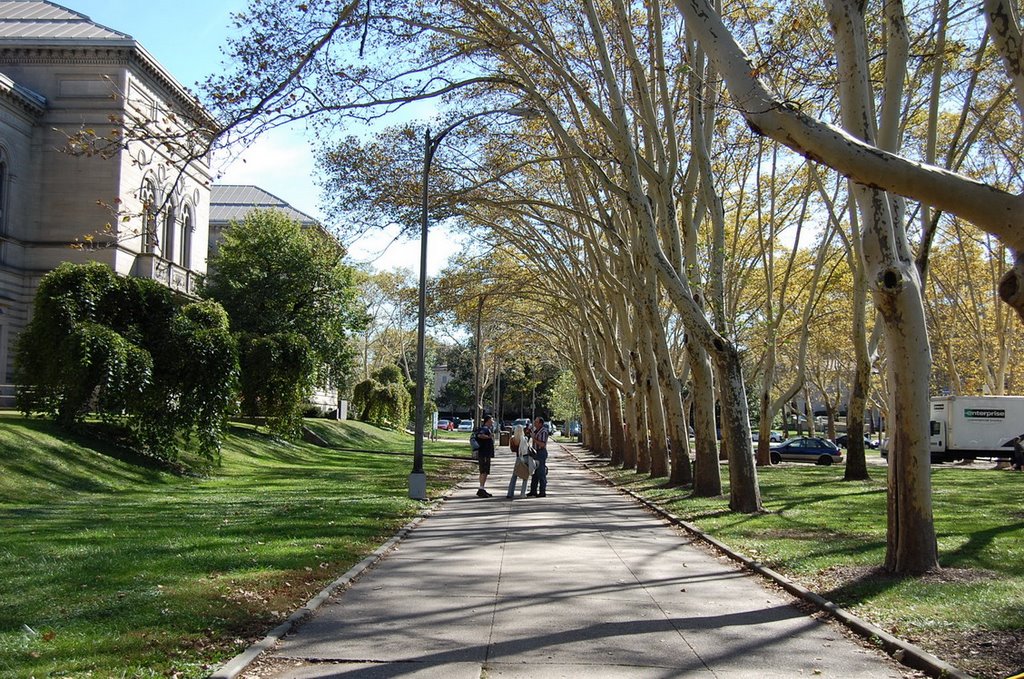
41	459
353	436
973	551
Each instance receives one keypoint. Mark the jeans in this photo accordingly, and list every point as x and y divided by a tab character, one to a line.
512	485
540	477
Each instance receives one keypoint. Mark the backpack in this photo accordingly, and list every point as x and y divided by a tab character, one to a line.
474	445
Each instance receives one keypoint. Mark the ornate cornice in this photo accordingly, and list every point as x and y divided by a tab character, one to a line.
121	52
118	55
25	99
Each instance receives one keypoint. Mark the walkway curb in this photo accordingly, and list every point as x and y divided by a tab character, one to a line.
902	651
232	668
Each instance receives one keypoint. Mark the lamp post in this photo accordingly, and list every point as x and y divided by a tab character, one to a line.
418	478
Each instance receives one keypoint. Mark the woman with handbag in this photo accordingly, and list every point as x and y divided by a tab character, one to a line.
525	465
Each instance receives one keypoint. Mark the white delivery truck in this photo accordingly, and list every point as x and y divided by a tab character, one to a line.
967	427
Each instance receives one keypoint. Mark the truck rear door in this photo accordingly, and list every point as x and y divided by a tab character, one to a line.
937	436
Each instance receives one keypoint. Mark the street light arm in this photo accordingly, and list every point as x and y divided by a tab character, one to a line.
515	111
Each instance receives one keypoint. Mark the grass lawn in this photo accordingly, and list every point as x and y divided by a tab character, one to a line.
112	566
830	535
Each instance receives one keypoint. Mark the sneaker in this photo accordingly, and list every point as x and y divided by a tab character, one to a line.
542	494
483	493
531	494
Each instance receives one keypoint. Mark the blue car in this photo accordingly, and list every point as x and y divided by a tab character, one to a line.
806	449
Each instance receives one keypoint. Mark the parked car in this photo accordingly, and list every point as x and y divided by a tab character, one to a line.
466	425
843	442
573	429
773	437
806	449
445	425
524	421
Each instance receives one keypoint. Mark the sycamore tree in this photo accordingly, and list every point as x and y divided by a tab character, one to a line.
292	304
564	400
389	334
866	149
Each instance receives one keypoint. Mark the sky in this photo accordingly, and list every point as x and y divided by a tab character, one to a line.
185	36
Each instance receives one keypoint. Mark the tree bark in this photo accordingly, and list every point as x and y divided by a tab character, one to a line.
707	477
911	545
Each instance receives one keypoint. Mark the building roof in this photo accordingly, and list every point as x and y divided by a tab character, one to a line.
232	202
40	20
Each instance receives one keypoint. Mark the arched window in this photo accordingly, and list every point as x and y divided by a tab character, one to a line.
3	192
187	226
150	238
168	251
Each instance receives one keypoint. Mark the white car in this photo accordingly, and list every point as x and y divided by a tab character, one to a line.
466	425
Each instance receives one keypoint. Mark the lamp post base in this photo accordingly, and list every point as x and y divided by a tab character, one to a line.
418	486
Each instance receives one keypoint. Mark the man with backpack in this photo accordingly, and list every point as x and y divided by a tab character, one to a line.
485	453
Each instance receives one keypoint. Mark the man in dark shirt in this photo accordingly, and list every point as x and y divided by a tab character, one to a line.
485	437
539	435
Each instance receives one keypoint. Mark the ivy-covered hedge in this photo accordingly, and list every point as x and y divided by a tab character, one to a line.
278	373
384	398
128	350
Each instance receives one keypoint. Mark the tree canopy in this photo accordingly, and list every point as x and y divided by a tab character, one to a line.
292	303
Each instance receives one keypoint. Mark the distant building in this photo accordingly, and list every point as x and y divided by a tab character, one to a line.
233	202
442	376
141	210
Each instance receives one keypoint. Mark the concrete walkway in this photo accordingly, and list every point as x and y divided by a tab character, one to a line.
582	583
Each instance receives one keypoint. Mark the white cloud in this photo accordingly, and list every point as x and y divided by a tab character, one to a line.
281	162
381	250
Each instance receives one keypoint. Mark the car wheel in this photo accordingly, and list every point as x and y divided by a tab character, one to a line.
825	460
775	458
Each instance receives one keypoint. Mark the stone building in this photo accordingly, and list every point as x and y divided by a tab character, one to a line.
136	207
233	202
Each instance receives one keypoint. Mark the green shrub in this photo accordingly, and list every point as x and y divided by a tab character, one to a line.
127	350
383	399
280	281
277	378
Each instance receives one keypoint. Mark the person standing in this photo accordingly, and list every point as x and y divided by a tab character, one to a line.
1018	453
485	437
524	465
539	435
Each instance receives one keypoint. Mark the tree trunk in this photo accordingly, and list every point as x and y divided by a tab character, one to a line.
643	432
707	477
856	456
911	545
588	427
744	493
675	425
809	413
618	434
631	450
655	398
